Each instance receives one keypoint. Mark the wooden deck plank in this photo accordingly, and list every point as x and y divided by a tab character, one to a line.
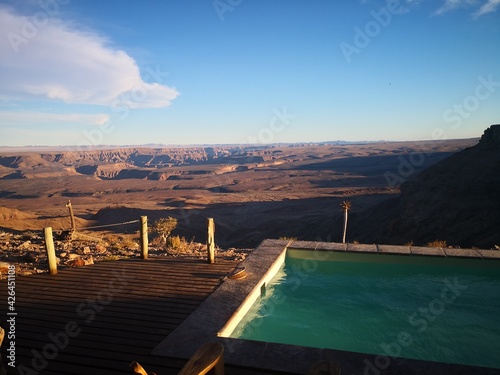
124	323
162	301
109	323
69	310
146	303
38	340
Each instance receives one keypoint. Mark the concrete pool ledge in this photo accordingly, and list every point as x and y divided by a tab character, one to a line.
220	308
217	316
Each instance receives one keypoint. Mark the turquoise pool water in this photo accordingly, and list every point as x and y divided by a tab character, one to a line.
429	308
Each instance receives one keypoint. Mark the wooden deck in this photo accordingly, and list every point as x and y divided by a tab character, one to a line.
116	312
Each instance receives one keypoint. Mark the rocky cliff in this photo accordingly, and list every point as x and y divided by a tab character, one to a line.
456	200
124	163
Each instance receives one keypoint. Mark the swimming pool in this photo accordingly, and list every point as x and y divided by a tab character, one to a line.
218	316
427	308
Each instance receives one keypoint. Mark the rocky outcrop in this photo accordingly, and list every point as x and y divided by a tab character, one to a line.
456	200
9	214
145	157
120	163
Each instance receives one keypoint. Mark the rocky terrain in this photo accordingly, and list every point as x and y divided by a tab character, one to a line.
137	163
27	251
170	163
456	200
252	192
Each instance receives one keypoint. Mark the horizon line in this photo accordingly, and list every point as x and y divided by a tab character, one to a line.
191	145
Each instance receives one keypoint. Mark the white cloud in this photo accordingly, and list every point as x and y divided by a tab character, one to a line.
490	6
15	118
449	5
49	58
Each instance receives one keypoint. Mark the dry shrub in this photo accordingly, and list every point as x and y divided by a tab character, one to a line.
155	242
79	236
129	243
164	226
175	242
436	243
180	245
120	242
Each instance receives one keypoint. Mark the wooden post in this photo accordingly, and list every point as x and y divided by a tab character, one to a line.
51	253
210	240
72	216
144	237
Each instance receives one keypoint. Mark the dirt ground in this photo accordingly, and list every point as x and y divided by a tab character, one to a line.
252	193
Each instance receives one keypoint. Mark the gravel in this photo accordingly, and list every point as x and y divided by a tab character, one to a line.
27	252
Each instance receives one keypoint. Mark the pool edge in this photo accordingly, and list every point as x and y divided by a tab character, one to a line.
254	294
214	314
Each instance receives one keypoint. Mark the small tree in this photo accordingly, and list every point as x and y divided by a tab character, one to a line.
163	227
346	206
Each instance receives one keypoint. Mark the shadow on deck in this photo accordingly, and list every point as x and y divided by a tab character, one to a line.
97	319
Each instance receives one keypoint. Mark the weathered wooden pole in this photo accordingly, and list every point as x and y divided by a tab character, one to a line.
144	237
210	240
72	216
51	252
346	206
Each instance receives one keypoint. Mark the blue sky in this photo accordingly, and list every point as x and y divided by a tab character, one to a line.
75	72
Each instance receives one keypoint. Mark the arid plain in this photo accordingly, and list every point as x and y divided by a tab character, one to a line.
252	192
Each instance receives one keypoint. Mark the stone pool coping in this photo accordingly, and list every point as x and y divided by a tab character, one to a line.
216	313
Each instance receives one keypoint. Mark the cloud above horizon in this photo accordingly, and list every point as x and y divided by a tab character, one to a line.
449	5
52	59
489	7
14	118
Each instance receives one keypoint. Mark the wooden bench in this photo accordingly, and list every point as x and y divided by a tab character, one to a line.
209	356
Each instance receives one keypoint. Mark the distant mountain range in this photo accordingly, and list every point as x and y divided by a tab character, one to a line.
43	148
